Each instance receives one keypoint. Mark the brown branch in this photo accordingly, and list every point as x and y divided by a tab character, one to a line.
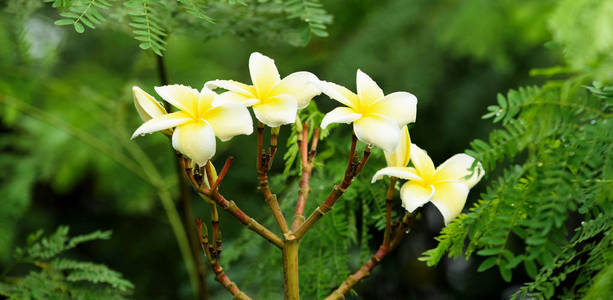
212	253
307	168
352	170
399	231
263	163
231	207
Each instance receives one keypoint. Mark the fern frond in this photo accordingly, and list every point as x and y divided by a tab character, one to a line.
505	142
91	272
60	278
312	13
81	13
59	242
146	25
59	3
196	8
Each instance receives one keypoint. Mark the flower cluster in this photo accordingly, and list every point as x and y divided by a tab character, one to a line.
378	120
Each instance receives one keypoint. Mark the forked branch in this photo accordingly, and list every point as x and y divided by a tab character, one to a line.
353	169
200	184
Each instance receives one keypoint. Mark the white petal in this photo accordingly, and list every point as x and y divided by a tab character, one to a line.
229	120
264	73
162	122
339	115
379	131
146	106
302	85
400	107
422	162
399	172
233	86
232	97
415	195
195	140
339	93
401	156
183	97
457	168
277	111
368	90
450	198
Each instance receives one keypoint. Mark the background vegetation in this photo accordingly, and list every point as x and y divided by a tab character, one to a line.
539	223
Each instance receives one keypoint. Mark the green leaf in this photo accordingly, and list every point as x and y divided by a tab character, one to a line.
505	273
63	22
488	263
78	27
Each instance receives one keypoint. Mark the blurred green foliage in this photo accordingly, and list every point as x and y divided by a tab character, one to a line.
67	115
60	278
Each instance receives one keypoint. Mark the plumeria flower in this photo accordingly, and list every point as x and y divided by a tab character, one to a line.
376	118
198	121
401	156
446	186
275	101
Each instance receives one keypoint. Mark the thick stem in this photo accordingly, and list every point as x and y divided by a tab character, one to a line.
290	269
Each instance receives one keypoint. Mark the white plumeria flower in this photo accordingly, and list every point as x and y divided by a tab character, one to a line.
446	186
198	121
376	118
401	156
275	101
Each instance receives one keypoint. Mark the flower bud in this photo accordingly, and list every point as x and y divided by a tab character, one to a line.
146	105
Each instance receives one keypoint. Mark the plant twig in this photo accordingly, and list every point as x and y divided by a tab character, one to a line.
398	232
213	254
352	170
263	163
307	168
223	173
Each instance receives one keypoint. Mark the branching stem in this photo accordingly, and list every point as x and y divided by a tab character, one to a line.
231	207
353	169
